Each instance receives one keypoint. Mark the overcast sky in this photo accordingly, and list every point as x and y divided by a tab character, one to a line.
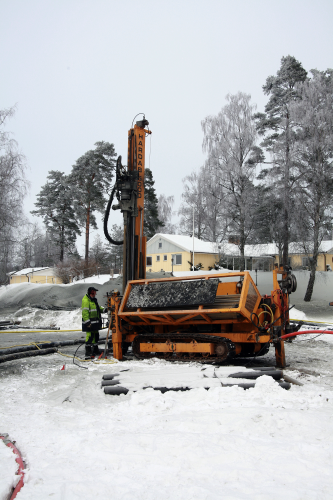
80	70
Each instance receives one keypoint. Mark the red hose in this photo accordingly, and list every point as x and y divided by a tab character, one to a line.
21	467
330	332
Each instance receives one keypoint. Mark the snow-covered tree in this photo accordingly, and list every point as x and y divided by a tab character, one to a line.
151	220
278	127
165	212
230	140
192	206
98	251
55	205
91	182
313	115
13	187
115	252
202	197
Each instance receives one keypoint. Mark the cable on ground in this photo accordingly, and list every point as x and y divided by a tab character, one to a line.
20	463
306	332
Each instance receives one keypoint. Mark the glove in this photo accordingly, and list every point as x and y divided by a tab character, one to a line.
88	325
105	310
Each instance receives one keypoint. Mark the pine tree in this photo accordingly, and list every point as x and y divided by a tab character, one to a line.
151	220
55	205
277	124
91	180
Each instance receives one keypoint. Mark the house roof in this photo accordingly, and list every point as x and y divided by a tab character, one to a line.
266	249
28	270
186	243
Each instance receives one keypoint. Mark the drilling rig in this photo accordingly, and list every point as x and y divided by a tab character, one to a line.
205	318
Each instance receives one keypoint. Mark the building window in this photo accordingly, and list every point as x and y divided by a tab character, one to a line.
157	258
160	244
305	262
178	258
165	257
149	261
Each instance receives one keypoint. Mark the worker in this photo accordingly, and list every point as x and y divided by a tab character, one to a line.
91	321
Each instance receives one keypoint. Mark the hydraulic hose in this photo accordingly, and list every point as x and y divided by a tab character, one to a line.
32	346
40	331
27	354
108	207
305	332
106	219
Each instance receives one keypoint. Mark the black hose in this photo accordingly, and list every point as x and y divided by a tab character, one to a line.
106	219
108	207
19	355
276	374
80	366
41	345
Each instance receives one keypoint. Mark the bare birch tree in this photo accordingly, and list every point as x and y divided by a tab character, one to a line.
230	140
202	199
165	213
13	187
313	115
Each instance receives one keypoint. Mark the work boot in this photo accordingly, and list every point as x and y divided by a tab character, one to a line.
89	351
95	350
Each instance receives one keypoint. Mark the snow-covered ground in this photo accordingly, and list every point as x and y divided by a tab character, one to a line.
224	442
100	278
202	444
8	469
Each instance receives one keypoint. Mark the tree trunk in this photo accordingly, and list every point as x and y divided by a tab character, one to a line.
311	282
242	243
286	196
86	256
313	262
62	244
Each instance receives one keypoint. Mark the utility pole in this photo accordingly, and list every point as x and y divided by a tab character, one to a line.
193	241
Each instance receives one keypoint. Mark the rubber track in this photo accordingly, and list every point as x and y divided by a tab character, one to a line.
182	337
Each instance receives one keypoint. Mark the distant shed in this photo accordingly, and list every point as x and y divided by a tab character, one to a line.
40	275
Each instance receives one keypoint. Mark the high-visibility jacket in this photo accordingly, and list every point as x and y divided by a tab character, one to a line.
91	312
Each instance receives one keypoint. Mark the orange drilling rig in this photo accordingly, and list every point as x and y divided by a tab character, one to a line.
205	318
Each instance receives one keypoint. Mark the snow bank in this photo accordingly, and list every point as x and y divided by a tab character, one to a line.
97	279
36	318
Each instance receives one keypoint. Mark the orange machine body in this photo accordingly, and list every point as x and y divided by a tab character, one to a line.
236	313
236	320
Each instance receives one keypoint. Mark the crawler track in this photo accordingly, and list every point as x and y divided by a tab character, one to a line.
227	347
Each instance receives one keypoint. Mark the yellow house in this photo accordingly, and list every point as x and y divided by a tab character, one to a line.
40	275
300	260
170	252
264	256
